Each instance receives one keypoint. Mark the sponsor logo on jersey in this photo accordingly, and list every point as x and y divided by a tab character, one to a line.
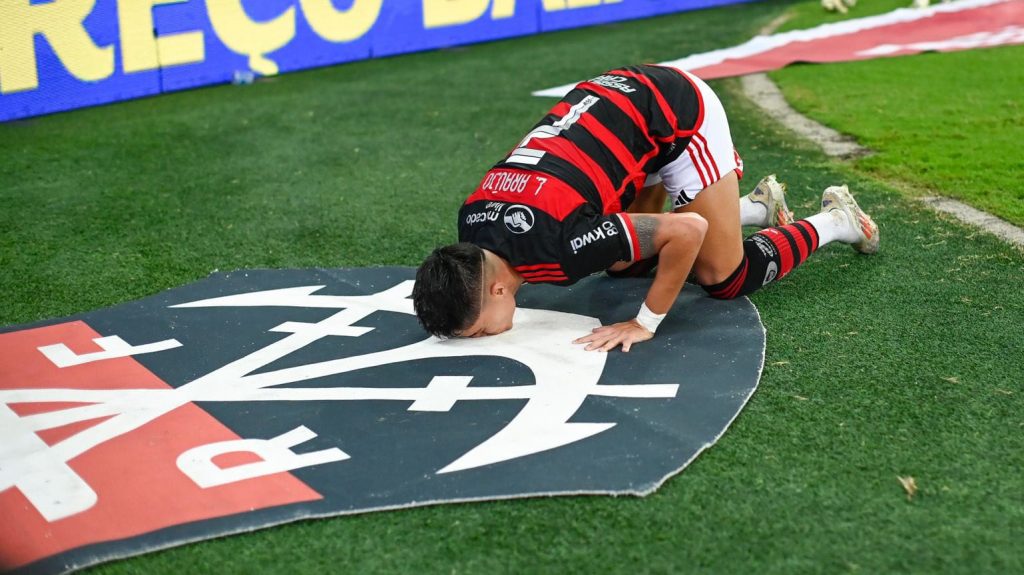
519	219
614	82
605	230
490	213
480	217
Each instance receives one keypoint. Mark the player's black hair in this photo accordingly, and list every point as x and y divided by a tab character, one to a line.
446	296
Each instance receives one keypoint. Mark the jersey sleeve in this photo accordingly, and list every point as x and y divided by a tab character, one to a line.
592	244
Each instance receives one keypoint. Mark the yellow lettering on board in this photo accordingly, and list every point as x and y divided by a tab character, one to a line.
336	25
554	5
441	13
142	50
60	22
253	39
503	9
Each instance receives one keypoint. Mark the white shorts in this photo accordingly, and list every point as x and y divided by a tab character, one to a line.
709	156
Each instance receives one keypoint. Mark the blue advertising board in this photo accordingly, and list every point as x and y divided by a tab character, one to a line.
65	54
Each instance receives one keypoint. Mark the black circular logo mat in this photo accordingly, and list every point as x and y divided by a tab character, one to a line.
258	397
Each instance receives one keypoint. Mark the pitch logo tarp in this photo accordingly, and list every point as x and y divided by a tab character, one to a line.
97	51
255	398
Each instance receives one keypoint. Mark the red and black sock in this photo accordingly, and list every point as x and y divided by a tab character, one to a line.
767	256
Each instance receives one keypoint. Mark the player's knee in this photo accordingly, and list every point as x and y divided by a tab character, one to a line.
691	226
759	266
721	284
707	275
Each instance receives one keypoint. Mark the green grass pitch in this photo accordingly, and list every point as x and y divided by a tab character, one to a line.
907	363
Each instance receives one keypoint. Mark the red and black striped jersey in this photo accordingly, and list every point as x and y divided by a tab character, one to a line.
582	163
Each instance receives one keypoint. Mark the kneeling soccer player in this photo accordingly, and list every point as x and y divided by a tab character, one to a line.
555	210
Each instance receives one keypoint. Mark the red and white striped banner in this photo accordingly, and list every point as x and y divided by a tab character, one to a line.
944	28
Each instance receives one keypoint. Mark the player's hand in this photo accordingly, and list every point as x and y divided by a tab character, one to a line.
608	337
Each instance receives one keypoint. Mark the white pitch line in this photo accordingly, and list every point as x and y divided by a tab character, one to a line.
984	220
761	90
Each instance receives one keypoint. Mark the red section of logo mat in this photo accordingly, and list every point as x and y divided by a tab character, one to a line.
137	484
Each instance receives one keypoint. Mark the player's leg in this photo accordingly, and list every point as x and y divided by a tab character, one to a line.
722	250
772	253
704	180
728	265
764	206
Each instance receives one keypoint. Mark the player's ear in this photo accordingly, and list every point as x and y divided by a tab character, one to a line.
500	289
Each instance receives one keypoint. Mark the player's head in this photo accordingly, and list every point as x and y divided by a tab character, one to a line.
460	291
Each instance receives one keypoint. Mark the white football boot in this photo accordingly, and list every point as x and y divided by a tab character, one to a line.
866	230
772	194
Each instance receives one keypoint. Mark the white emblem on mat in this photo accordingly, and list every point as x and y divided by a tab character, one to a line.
564	376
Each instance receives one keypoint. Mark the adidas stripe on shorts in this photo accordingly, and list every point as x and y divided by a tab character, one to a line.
710	155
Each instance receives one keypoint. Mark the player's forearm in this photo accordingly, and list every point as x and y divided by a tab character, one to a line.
681	236
676	238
